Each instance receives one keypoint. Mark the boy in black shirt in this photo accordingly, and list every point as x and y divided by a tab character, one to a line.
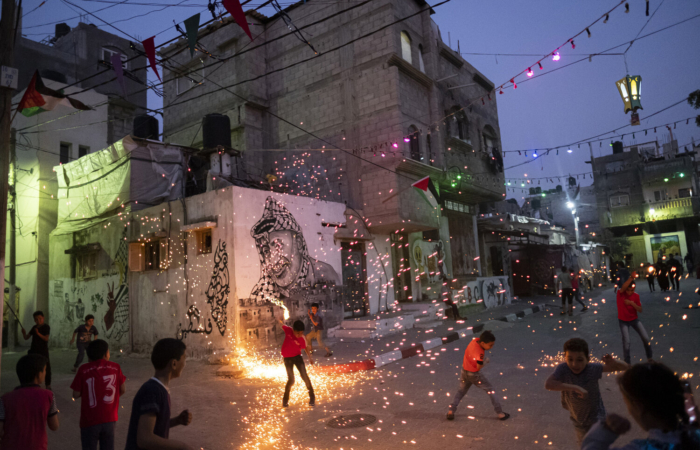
40	342
150	421
86	333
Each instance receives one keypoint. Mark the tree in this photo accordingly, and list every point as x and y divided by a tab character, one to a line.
694	101
618	245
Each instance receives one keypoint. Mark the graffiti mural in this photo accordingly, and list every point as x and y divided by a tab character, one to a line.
495	291
218	290
472	292
192	327
116	320
429	257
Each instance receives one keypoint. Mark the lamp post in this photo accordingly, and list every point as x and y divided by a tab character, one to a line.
572	207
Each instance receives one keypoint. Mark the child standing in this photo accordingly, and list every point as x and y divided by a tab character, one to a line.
150	422
316	330
40	342
655	399
577	295
577	379
474	361
25	412
85	333
100	384
567	291
628	306
292	346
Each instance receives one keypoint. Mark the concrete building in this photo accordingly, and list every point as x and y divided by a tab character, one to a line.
648	192
400	103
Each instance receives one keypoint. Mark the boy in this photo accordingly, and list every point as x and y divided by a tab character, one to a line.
628	306
577	379
293	343
567	290
85	333
316	330
471	374
100	384
25	411
446	295
40	342
150	420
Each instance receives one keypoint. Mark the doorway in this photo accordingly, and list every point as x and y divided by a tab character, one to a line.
354	278
401	266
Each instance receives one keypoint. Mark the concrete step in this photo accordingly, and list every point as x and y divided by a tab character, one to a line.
425	324
372	327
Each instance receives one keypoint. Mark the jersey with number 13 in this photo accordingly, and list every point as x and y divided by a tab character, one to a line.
98	383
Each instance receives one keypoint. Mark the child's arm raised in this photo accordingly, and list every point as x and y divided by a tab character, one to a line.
146	440
611	364
553	384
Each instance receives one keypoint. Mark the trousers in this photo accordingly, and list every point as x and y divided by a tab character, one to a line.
639	328
466	380
289	364
567	293
102	434
81	354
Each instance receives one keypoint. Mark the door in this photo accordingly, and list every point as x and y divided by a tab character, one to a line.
401	266
354	279
463	244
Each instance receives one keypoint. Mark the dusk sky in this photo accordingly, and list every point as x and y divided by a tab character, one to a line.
549	110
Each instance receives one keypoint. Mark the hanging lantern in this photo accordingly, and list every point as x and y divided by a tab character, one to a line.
630	89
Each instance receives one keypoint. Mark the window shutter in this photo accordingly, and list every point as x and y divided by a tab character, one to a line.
163	254
136	257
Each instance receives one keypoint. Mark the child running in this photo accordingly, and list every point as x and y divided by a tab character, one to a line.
316	331
628	306
655	399
474	361
26	410
99	384
577	379
292	346
85	333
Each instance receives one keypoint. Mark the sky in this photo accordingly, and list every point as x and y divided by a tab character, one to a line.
551	109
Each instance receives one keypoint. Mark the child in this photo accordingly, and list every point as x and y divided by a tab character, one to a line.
567	291
100	384
577	379
316	330
150	420
628	305
577	295
40	342
25	411
291	352
655	399
471	374
85	335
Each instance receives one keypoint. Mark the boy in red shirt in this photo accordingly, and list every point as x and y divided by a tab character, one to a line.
292	346
99	383
25	411
628	305
471	374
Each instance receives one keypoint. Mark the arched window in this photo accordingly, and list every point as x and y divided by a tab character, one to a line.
457	125
421	65
414	143
490	139
406	47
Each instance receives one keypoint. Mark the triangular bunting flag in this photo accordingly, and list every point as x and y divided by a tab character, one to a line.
116	61
149	47
236	10
428	191
192	29
38	98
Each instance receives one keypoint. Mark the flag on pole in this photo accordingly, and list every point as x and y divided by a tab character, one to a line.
236	10
38	98
149	46
428	191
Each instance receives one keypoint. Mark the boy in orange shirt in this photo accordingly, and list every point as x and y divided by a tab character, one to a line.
474	361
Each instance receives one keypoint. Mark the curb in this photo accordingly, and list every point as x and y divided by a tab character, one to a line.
416	349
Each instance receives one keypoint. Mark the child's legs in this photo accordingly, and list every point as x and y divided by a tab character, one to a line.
639	328
480	381
90	436
81	355
464	385
580	433
319	339
107	436
301	367
289	365
577	297
47	381
625	330
309	337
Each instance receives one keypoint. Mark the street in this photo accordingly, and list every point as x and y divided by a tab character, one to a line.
408	398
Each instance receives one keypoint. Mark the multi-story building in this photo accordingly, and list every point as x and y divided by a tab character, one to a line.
385	103
648	193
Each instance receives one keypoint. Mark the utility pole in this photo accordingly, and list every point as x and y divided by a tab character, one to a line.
7	43
11	324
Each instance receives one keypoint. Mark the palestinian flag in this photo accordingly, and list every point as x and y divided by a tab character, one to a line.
428	191
38	98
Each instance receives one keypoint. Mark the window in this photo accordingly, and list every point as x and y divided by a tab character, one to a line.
194	76
414	143
406	47
152	255
457	125
489	139
457	206
429	147
64	157
107	57
617	201
87	265
83	150
421	65
684	193
660	195
204	241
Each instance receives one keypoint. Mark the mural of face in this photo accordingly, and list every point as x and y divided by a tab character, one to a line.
283	257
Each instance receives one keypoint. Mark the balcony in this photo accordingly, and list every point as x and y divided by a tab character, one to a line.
673	209
623	216
666	168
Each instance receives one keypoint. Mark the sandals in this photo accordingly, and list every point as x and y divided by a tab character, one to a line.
504	417
328	354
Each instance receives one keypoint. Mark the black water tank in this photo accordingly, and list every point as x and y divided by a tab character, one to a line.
48	74
532	191
617	147
216	130
538	190
146	127
572	181
62	29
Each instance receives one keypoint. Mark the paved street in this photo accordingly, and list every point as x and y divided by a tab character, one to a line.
408	398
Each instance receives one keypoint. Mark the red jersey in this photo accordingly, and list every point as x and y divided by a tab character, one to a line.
98	383
24	413
473	357
627	312
292	345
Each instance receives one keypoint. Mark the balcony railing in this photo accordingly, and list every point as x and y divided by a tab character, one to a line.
622	216
673	209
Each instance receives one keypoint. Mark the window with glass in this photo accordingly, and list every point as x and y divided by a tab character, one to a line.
617	201
107	57
406	47
64	153
457	125
685	193
192	77
414	143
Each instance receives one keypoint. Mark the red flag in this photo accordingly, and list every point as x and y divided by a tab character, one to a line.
149	47
31	98
236	10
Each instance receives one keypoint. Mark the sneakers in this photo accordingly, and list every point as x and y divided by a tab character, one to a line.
585	308
328	354
312	402
285	405
450	415
505	416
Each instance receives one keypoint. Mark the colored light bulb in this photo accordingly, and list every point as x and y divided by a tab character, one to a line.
556	56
